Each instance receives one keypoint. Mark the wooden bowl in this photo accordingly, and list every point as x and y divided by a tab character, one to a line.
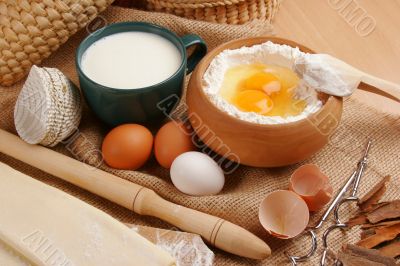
256	144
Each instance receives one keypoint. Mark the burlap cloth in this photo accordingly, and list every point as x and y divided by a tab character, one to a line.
246	187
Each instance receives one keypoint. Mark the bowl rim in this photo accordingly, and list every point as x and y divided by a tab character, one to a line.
206	61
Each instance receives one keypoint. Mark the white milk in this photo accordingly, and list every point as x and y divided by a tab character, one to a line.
131	60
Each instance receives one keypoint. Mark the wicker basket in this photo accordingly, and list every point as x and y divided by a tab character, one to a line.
30	30
219	11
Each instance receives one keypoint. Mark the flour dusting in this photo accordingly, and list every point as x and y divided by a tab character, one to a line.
94	246
188	251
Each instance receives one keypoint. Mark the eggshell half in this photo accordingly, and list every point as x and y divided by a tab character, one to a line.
312	185
284	214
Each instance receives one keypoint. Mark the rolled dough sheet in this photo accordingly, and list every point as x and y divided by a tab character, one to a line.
46	226
8	257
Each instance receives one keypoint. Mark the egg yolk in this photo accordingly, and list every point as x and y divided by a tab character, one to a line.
263	89
254	101
259	81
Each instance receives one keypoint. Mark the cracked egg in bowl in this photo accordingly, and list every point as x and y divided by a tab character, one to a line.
246	103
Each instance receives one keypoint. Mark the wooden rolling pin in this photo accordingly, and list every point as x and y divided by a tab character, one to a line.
216	231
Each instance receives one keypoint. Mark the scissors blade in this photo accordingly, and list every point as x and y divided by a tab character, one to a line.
361	167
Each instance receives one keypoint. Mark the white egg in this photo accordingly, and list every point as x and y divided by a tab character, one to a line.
196	174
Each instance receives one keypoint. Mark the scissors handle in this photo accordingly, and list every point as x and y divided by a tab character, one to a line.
295	259
325	241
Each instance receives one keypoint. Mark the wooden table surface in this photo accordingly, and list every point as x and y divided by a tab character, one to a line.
364	33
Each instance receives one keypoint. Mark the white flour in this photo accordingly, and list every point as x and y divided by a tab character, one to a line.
266	53
328	74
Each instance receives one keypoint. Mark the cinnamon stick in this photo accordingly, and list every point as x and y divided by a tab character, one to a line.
389	211
350	260
353	255
391	250
381	224
374	195
357	220
367	233
381	235
375	206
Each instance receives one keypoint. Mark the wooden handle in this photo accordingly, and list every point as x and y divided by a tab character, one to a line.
216	231
381	87
351	75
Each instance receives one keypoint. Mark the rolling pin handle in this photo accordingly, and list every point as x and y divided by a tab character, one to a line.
216	231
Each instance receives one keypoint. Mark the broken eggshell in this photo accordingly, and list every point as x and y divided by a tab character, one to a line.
284	214
312	185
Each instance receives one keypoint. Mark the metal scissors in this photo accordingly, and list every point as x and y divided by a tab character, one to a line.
352	182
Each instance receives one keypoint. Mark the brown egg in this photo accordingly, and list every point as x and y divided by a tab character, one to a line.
173	139
284	214
312	185
127	146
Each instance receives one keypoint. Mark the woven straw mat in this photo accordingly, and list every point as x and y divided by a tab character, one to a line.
225	11
31	30
222	11
246	187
